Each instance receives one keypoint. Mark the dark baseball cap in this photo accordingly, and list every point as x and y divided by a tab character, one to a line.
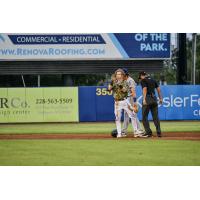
142	73
125	71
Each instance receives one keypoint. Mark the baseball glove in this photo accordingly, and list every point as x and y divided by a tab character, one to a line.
134	108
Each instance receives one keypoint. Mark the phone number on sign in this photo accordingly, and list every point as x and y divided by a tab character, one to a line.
54	101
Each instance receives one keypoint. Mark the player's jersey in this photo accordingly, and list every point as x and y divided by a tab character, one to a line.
131	84
120	90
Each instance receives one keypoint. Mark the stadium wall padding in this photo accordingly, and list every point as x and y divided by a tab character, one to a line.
89	104
180	102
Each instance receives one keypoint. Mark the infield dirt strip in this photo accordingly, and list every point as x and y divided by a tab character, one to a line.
166	136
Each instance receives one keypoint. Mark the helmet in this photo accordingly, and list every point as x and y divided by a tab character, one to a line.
125	71
114	133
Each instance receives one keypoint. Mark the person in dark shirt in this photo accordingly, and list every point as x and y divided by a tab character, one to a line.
150	102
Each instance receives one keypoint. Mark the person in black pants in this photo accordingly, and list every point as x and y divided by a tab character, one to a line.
150	103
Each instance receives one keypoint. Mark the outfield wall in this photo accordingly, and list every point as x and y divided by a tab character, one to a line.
39	104
180	102
88	104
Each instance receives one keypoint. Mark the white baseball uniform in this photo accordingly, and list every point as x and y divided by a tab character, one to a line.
131	84
124	105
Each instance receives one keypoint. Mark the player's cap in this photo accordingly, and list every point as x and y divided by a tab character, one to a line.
125	71
143	73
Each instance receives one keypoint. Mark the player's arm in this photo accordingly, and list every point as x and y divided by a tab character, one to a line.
159	92
159	95
144	92
133	92
133	96
110	87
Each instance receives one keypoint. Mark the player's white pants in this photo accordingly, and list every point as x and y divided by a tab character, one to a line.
126	119
123	105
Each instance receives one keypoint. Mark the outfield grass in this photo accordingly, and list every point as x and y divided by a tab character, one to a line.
99	152
183	126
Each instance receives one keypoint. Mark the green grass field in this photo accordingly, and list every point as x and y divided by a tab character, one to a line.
99	152
96	152
105	128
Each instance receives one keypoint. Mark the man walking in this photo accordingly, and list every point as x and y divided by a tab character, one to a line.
150	102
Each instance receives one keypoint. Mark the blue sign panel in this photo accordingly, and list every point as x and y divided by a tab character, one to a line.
21	39
180	102
145	45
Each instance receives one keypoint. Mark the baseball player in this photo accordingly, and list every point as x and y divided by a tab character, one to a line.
120	93
132	100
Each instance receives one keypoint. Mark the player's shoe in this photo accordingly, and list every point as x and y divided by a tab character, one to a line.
124	134
140	131
136	135
159	134
119	135
147	135
139	134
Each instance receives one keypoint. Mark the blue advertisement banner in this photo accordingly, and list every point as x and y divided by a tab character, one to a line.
145	45
179	103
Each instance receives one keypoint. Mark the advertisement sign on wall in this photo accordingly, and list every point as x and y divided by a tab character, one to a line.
87	104
180	102
39	105
84	46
